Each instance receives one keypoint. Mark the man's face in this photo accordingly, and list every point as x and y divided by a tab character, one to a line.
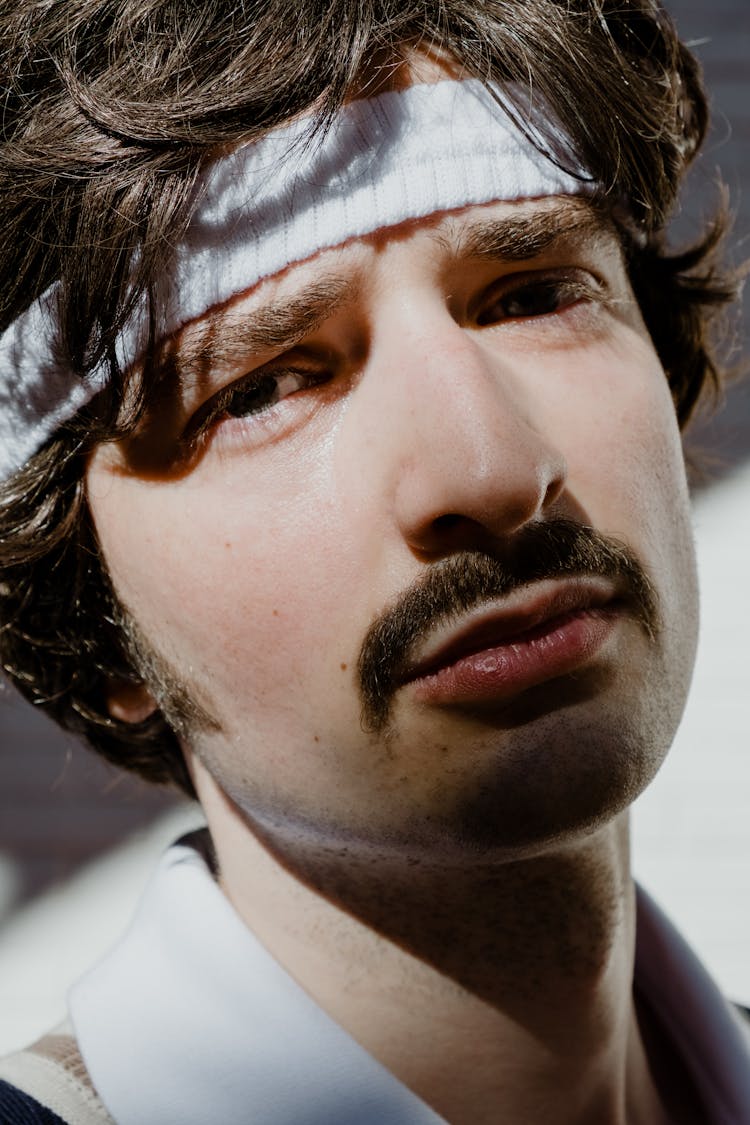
330	527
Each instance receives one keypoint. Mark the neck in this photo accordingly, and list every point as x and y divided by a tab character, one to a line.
495	992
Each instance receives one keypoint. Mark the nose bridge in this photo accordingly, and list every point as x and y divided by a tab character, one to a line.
454	391
453	430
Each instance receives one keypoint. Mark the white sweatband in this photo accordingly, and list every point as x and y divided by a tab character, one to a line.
402	155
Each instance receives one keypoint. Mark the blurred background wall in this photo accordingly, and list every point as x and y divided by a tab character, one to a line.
76	837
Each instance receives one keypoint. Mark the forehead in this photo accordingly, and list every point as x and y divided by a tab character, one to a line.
280	310
382	163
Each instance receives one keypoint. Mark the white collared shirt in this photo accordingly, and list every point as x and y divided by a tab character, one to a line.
190	1020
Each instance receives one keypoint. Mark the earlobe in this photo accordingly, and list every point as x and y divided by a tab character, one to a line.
129	702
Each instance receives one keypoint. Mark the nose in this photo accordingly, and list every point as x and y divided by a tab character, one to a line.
462	436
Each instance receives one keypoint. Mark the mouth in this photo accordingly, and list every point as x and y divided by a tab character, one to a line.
541	632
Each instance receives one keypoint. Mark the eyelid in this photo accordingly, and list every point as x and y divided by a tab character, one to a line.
576	279
203	418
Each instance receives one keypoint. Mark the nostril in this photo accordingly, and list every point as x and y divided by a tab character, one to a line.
446	523
555	487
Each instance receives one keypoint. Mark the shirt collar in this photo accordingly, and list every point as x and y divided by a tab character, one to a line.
190	1019
707	1032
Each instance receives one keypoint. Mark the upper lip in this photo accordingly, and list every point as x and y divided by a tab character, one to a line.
495	623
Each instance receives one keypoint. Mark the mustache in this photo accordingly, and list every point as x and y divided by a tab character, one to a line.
557	548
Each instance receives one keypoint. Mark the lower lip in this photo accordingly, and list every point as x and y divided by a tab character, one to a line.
557	648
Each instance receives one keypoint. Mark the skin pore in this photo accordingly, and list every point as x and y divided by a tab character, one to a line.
453	885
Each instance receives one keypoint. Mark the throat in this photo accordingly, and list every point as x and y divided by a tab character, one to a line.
497	992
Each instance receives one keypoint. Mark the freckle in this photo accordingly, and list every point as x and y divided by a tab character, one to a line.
344	667
316	738
228	546
276	613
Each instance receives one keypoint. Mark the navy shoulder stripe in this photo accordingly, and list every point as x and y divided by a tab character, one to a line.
18	1108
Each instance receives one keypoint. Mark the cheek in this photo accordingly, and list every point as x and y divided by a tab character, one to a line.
627	470
621	437
238	587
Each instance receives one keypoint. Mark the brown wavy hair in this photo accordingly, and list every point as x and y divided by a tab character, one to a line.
110	110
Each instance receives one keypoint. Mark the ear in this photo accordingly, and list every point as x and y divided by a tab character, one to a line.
128	702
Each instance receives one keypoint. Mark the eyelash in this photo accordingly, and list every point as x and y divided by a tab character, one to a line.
231	402
566	291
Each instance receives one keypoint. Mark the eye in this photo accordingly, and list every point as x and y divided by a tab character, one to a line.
535	298
251	398
266	389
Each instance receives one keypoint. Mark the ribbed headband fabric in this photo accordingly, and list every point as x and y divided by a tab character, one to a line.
402	155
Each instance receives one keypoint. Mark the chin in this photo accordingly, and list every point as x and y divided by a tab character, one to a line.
559	762
542	777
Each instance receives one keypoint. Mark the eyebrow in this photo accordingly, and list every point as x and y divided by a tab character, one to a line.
220	340
275	326
520	238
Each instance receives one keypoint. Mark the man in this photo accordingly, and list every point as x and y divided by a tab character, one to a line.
343	372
